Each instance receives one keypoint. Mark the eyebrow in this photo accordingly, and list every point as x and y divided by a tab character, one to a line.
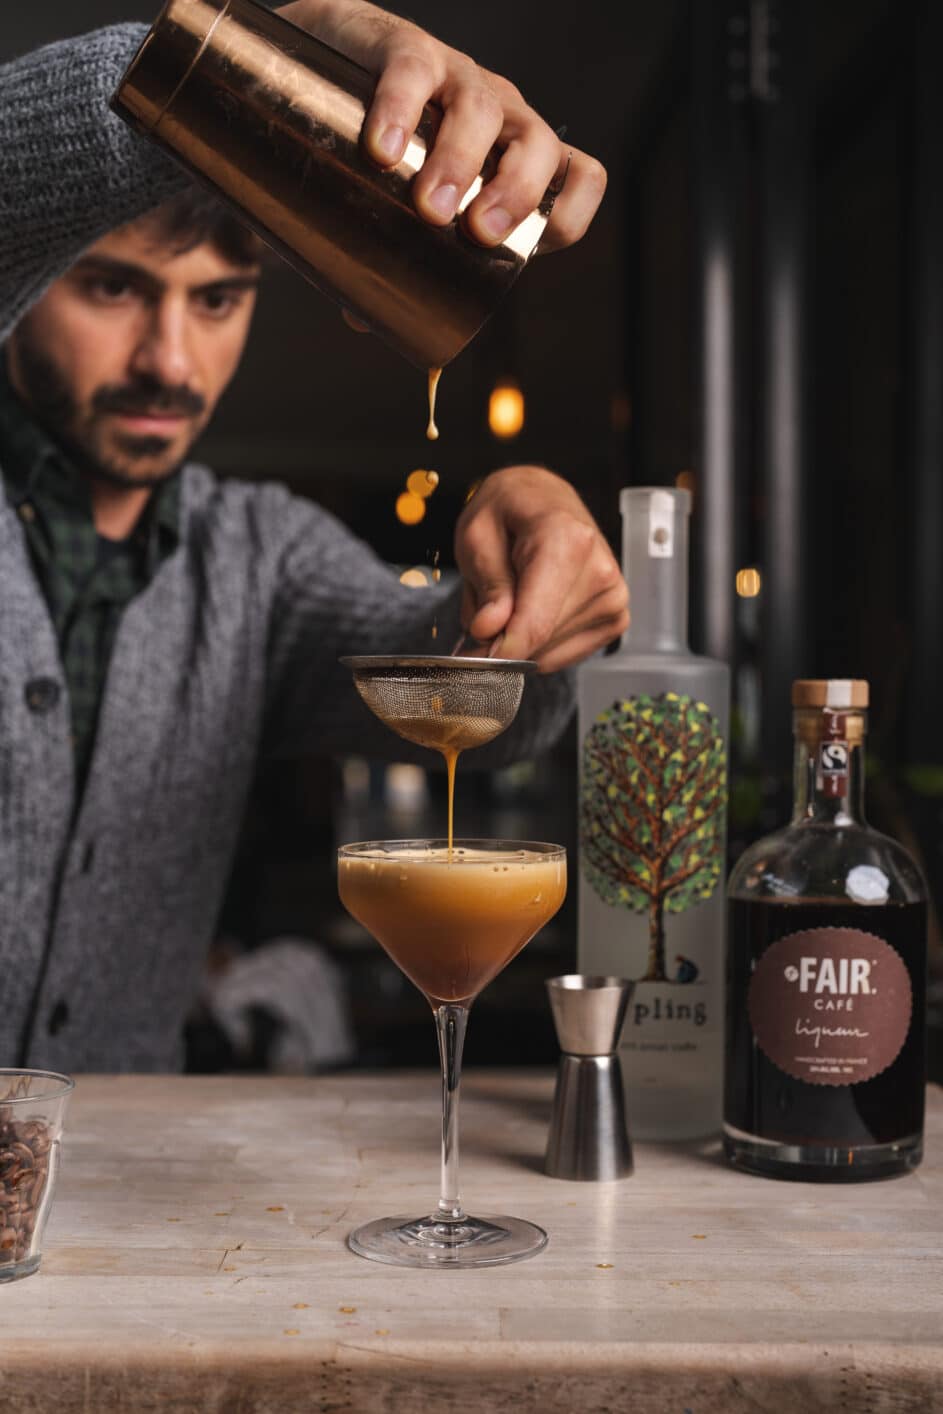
143	279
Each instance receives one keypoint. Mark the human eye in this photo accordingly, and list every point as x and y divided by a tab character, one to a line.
219	303
108	289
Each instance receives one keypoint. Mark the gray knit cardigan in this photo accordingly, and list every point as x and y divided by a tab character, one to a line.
230	653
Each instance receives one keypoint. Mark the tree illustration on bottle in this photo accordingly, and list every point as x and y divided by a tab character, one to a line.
652	809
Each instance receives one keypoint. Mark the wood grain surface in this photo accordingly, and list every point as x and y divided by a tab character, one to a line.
195	1260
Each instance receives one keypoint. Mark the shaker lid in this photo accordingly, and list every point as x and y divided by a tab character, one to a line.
830	692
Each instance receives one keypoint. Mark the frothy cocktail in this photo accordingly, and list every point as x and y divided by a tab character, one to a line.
451	923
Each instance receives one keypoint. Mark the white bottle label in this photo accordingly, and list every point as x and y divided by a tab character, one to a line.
661	526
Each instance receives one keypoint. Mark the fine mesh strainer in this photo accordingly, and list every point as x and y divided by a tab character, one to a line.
447	703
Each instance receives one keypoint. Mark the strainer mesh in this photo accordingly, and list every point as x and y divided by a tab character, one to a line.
442	706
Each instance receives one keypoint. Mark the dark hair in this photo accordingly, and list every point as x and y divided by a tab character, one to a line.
196	217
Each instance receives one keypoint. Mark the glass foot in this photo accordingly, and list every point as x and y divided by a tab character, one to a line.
430	1242
13	1271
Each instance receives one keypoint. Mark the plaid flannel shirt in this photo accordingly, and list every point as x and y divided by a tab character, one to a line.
86	580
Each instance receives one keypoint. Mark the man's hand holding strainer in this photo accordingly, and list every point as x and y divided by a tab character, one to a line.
539	575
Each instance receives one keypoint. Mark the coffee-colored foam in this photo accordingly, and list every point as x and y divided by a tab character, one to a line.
452	925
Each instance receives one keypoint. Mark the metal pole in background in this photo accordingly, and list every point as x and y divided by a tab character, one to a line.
720	35
925	549
779	61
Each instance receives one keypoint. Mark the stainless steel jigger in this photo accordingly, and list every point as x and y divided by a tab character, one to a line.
589	1137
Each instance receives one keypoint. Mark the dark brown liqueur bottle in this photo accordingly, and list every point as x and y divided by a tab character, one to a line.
826	972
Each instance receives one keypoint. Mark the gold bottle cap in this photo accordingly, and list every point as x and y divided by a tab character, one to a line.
841	693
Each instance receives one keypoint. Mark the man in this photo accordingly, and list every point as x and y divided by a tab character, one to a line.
159	630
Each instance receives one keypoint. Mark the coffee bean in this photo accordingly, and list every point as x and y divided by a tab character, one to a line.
24	1170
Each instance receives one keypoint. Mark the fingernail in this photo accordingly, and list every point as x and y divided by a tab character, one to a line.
496	222
391	143
444	200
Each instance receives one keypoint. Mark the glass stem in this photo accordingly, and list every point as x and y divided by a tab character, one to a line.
450	1024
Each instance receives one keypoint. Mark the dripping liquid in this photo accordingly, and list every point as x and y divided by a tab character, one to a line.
432	431
436	576
451	760
450	733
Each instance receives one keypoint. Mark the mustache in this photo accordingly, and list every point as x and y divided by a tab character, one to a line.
148	396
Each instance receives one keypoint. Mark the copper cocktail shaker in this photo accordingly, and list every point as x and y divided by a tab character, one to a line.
270	118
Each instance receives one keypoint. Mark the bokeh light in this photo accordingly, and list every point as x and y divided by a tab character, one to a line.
416	577
749	583
506	410
422	483
410	509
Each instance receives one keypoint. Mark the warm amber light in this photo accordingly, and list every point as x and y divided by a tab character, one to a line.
416	578
749	583
685	481
422	483
410	509
506	410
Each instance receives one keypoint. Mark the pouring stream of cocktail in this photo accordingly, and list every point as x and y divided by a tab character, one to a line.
448	704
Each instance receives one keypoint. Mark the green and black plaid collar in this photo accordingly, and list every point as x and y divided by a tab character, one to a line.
86	580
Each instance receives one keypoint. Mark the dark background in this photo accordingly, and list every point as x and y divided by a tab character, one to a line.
757	310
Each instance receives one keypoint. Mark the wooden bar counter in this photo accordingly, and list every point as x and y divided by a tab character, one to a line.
195	1260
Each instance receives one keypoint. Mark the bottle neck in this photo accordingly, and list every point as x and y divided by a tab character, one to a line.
829	768
655	565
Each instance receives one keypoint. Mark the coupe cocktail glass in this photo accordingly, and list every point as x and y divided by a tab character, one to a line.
451	920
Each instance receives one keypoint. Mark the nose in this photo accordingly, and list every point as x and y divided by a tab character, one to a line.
162	352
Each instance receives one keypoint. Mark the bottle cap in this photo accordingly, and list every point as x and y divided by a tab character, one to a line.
841	693
661	500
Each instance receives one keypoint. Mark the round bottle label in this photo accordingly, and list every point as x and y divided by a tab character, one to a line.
830	1006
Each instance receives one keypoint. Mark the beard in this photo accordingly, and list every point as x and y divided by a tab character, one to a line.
99	451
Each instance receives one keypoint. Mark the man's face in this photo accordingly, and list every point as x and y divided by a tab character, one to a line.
125	357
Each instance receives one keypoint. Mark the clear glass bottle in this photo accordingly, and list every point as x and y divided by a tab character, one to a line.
653	724
826	1049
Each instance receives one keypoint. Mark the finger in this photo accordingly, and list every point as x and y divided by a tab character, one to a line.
482	553
543	584
472	121
584	185
566	576
410	75
597	590
576	648
524	172
493	611
607	615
